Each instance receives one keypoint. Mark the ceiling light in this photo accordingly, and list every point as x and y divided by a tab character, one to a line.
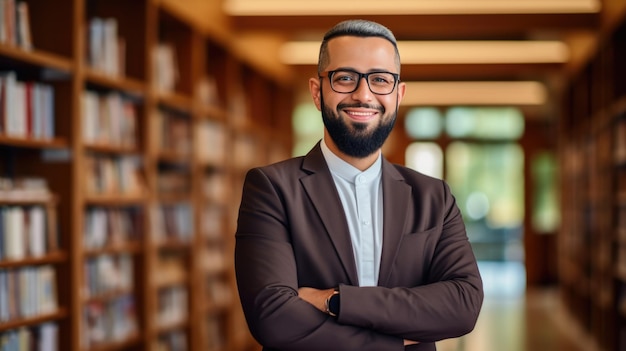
404	7
513	93
449	52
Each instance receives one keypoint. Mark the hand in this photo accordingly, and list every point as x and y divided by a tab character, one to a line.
410	342
315	297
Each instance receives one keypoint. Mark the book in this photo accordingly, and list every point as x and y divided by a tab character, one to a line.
48	337
2	234
47	292
24	37
37	231
4	296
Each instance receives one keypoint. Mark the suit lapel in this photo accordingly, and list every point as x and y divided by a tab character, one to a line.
321	190
396	196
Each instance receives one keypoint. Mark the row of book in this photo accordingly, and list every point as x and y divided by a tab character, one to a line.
112	226
109	321
24	232
24	189
27	291
42	337
173	182
26	108
108	274
171	269
218	292
172	306
113	175
212	259
212	222
173	222
172	341
174	132
15	24
245	149
106	49
109	119
215	187
210	141
166	74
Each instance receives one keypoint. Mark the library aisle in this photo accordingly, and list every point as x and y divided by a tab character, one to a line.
514	319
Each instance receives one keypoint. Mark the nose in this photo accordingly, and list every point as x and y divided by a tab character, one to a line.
362	92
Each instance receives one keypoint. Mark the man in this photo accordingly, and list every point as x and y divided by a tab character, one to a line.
340	249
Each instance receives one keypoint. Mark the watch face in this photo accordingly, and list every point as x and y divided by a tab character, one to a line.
333	304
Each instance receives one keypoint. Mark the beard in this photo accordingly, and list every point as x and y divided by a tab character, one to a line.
353	138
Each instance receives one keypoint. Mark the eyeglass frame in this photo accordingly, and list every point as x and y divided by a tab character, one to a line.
329	75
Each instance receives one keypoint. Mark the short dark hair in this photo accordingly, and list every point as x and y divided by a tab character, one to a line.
357	28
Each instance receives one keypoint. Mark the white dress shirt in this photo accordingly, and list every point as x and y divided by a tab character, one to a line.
361	195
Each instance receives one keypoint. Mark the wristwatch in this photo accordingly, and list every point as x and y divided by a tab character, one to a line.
332	303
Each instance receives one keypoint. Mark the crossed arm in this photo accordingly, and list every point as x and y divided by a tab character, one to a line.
284	315
319	297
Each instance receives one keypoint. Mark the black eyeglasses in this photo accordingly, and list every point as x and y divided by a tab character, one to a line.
346	81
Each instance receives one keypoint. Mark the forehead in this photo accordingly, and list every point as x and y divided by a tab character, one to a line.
363	54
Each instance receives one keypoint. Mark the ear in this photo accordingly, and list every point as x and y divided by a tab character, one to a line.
401	91
315	88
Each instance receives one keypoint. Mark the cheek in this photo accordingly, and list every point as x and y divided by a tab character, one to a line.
389	103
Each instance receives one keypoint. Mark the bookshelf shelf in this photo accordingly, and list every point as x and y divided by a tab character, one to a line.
123	344
107	296
170	327
174	157
212	113
22	322
112	149
27	198
54	143
130	86
115	200
176	101
49	258
129	247
38	58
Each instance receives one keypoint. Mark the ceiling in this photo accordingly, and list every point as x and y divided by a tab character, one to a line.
454	25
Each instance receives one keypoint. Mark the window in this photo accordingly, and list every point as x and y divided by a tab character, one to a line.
308	128
423	123
425	157
545	216
500	123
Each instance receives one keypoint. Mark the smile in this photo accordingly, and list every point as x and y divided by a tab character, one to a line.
361	115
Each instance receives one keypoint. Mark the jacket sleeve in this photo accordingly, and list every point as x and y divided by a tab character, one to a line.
267	281
446	306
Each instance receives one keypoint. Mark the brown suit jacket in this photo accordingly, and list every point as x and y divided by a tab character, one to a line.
292	233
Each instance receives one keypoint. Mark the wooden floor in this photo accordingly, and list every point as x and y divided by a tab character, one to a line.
516	319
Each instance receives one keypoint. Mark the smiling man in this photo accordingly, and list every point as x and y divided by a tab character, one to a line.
340	249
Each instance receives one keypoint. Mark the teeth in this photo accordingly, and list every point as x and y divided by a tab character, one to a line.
361	113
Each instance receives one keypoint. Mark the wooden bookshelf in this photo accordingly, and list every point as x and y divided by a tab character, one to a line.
592	245
143	162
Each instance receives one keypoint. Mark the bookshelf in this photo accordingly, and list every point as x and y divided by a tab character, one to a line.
125	157
592	250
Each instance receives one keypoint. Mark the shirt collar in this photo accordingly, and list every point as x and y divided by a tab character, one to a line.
347	171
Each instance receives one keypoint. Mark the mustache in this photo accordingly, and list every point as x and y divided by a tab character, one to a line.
359	105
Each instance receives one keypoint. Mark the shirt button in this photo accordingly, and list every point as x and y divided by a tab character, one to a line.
366	223
361	179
